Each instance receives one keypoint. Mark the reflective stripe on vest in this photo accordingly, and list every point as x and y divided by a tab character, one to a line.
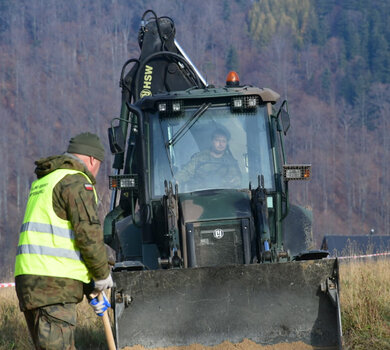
46	243
47	228
58	252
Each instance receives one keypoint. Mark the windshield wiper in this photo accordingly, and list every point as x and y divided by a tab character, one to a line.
166	149
188	125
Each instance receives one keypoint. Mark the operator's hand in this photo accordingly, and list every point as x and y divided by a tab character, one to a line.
101	285
100	306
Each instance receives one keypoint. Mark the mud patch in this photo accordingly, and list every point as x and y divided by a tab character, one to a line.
244	345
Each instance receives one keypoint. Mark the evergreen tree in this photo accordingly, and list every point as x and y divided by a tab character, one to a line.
232	62
226	10
4	15
326	81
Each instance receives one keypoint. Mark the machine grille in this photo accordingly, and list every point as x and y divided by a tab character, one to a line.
218	244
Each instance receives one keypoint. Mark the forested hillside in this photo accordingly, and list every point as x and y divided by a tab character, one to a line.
59	70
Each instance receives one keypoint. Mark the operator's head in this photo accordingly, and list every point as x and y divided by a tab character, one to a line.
220	138
89	149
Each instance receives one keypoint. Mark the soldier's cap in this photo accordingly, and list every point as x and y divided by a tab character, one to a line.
88	144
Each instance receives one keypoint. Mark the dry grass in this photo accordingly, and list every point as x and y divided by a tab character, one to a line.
13	329
89	331
14	333
365	300
365	304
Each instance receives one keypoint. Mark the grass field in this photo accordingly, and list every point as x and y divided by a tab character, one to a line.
14	333
365	303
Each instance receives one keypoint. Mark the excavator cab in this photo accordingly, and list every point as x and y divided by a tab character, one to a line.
214	159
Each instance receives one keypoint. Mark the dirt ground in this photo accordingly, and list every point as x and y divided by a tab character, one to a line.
244	345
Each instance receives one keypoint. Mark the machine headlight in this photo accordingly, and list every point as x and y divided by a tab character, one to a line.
238	103
170	107
251	102
123	182
162	107
244	104
176	107
296	172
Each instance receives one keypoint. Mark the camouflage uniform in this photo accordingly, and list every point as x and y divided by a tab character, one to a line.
205	170
53	326
45	299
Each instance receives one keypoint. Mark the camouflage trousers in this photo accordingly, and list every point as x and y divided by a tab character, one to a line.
52	327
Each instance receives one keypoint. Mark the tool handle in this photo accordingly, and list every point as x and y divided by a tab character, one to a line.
106	325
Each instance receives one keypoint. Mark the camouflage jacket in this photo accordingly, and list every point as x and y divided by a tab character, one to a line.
205	170
71	201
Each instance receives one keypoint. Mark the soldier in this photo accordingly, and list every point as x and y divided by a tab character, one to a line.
214	167
61	248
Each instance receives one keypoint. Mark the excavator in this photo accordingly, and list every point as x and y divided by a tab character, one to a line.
208	246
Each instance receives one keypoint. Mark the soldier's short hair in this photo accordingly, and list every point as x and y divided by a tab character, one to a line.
221	131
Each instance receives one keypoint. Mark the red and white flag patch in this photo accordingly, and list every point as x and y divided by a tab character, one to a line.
88	187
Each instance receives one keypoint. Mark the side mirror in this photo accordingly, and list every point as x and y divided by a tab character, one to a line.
284	116
116	139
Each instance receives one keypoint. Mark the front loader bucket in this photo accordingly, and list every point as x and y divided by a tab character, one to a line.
266	303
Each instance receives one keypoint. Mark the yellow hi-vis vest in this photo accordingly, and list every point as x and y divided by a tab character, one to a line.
46	243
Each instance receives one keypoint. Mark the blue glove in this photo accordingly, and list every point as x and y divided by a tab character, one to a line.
100	306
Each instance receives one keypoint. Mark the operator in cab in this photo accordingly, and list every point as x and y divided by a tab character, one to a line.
212	168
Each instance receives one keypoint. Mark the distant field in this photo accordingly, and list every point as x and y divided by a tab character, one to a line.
365	302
